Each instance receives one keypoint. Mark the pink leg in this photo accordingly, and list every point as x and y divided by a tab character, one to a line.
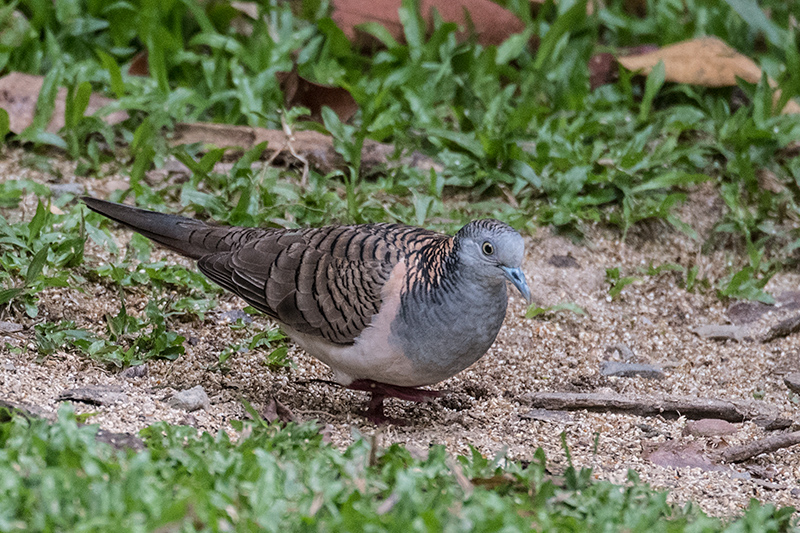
380	391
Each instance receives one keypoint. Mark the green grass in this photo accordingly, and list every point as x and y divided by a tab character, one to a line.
286	478
520	136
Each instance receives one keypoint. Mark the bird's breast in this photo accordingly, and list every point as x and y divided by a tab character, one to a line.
443	330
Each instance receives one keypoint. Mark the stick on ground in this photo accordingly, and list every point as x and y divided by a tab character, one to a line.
690	407
743	452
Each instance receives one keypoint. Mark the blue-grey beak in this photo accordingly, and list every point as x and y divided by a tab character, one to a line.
517	277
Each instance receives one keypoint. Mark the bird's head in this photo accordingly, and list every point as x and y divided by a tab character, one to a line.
495	250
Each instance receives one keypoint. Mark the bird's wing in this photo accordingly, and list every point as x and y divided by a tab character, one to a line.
319	281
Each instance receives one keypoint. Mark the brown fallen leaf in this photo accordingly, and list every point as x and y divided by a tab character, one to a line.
139	65
706	61
314	147
790	150
491	23
709	427
275	410
495	482
678	454
602	69
298	91
18	95
637	8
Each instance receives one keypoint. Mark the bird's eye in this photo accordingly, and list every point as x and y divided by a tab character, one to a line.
488	249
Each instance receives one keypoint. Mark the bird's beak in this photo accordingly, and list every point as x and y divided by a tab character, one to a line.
517	277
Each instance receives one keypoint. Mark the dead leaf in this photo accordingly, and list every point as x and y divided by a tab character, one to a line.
602	70
790	150
316	148
275	410
18	95
709	427
637	8
298	91
495	482
707	61
139	65
491	23
678	454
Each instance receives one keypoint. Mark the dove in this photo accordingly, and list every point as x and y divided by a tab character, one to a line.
389	308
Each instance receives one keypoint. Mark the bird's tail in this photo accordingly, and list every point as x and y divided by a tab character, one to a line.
186	236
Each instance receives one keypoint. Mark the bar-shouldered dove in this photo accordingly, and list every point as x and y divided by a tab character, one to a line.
388	307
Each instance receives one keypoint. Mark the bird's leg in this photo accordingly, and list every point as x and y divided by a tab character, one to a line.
380	391
375	412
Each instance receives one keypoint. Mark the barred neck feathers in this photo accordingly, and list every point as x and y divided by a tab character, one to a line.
432	269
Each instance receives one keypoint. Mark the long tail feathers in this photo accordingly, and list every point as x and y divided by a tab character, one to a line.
186	236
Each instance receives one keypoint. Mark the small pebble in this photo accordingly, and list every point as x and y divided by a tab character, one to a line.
190	399
137	371
235	315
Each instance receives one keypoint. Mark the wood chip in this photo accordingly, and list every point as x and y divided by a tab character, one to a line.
720	332
784	328
94	395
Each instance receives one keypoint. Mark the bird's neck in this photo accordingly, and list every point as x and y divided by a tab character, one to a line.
436	263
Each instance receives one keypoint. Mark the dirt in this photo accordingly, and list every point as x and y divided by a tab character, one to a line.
651	321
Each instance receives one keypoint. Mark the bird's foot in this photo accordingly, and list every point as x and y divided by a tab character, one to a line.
375	414
411	394
381	391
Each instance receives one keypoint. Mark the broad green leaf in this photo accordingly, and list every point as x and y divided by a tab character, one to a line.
36	265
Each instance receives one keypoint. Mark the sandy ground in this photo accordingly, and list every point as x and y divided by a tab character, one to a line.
651	322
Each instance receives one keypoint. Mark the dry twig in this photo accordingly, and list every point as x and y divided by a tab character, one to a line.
687	406
743	452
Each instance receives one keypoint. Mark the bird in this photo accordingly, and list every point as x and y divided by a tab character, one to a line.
388	307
